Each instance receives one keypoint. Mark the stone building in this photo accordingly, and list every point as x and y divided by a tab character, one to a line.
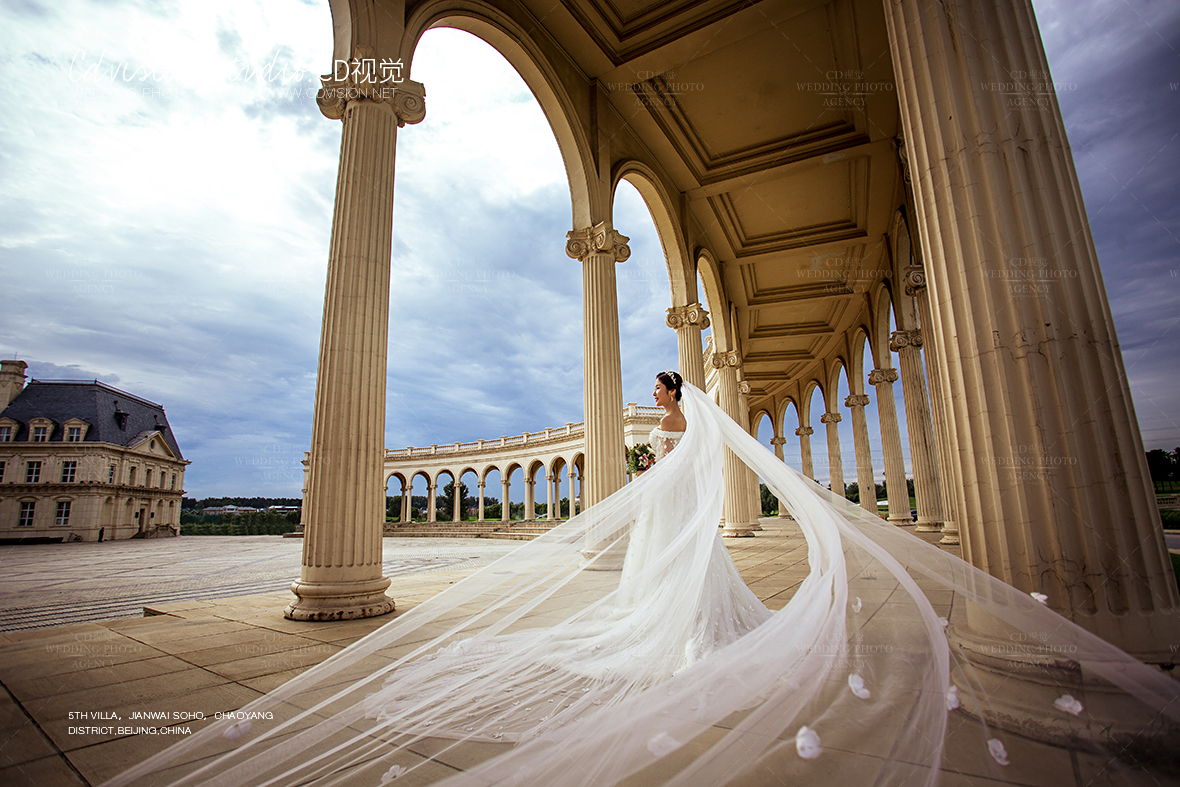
84	461
872	195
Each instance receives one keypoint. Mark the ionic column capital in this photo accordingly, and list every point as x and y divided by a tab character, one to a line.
362	82
804	431
601	238
778	441
902	340
879	376
482	484
830	418
692	315
856	400
726	360
914	280
744	388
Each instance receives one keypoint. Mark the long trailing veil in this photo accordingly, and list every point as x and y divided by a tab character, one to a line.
559	665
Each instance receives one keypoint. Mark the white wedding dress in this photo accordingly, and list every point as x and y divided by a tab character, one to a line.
545	669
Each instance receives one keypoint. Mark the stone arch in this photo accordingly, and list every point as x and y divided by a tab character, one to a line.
832	388
856	366
682	278
715	300
756	421
517	42
809	389
879	339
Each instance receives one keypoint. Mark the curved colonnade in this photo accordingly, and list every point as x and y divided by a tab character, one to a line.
557	453
912	214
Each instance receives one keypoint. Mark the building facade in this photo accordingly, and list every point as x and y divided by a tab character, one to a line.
82	461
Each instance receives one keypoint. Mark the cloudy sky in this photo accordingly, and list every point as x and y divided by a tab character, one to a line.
166	189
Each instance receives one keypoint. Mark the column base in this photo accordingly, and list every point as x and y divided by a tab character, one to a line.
1021	680
950	537
928	525
738	531
339	600
901	521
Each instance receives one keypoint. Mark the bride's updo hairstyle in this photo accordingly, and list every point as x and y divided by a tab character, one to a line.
672	381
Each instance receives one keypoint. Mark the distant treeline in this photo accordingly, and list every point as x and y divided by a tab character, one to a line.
255	523
248	502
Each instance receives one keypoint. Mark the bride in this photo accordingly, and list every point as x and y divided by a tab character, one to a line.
548	668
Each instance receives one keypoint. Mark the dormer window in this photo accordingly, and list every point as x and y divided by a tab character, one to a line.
5	434
75	430
40	429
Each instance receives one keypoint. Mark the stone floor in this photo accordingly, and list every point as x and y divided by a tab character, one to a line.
208	655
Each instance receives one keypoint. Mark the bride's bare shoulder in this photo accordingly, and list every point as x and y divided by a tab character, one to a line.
673	422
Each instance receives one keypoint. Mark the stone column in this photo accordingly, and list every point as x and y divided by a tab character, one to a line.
735	515
530	499
835	464
431	502
599	248
481	488
917	417
864	457
688	322
574	505
570	473
505	507
1053	492
778	442
753	491
915	287
407	496
341	573
552	482
896	488
805	433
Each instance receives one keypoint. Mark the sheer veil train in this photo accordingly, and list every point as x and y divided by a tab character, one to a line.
548	668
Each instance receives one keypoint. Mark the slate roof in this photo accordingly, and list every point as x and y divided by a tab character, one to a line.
93	402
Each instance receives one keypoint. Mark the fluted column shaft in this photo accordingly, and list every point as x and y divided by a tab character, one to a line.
481	488
569	473
778	442
735	511
407	496
915	287
753	491
917	417
835	464
554	503
864	456
805	433
688	322
505	507
341	572
431	502
896	488
530	499
1053	490
599	248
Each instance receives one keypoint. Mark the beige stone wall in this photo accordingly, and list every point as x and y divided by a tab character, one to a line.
96	503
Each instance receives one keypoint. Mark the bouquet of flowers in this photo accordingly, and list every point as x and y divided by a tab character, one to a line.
640	458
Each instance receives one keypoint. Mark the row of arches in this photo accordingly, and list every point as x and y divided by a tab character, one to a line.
420	490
